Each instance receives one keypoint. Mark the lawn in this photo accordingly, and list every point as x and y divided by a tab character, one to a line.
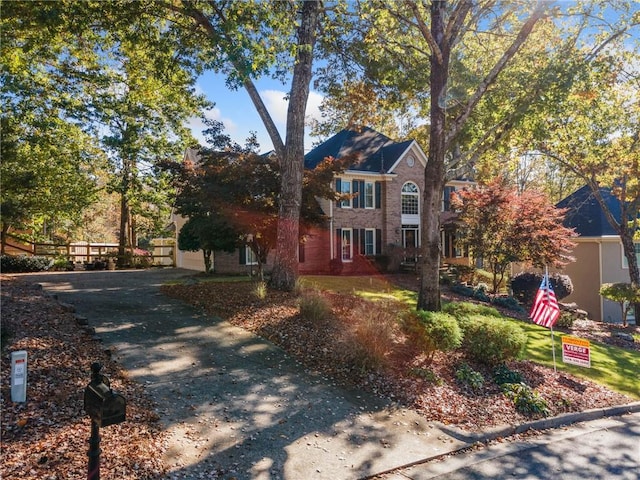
617	368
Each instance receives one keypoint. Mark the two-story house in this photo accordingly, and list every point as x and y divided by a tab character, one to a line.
379	218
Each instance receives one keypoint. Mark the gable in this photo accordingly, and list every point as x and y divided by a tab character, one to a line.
585	215
376	153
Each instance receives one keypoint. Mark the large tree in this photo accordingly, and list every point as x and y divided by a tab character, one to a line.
594	133
115	79
246	40
233	190
472	72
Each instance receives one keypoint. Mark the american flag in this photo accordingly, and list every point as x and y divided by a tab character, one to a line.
545	309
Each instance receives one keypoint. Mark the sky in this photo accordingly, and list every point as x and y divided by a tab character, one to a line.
236	111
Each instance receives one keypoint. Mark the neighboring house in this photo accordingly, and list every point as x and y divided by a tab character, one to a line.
599	257
380	222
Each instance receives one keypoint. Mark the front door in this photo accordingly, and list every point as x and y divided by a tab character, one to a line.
410	242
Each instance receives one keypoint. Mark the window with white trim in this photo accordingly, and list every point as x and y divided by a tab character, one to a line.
368	195
370	241
345	188
410	199
251	258
347	245
625	262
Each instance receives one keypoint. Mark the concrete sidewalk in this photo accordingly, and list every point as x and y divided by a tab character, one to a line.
237	406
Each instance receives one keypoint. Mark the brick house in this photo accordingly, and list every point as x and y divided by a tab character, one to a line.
379	224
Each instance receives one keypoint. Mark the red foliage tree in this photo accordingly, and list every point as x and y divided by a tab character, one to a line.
503	226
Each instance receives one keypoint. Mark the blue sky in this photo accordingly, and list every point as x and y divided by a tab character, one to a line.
236	111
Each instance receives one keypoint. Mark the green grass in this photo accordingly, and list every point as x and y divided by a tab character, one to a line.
614	367
371	288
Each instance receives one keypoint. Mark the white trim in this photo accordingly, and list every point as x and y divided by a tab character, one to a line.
373	249
419	154
373	195
342	232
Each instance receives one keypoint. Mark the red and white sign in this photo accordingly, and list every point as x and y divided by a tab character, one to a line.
576	351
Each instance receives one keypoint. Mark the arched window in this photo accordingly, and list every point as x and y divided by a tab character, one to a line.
410	199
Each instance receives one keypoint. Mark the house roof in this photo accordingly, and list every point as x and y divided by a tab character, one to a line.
377	152
585	215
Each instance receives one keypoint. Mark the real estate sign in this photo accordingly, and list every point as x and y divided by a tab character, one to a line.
576	351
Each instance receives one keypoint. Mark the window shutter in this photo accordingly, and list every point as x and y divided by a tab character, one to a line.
362	200
243	255
301	252
356	196
378	241
339	190
378	195
339	243
363	249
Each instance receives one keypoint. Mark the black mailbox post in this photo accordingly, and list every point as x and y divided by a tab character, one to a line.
104	407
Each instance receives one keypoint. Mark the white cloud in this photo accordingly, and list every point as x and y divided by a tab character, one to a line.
313	105
277	104
197	125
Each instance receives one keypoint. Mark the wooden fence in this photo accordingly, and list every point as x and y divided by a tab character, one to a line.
162	252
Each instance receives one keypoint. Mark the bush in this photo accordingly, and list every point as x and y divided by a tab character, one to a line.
503	374
525	285
24	264
525	399
433	331
492	340
260	290
374	330
508	302
565	320
314	307
478	293
426	374
469	377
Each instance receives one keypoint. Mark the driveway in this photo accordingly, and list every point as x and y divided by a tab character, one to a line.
234	404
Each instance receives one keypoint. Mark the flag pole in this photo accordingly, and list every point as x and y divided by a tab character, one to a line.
553	345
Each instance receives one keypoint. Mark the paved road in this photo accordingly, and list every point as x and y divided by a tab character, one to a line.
235	405
605	449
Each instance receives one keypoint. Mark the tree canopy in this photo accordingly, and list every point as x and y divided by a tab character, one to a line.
503	225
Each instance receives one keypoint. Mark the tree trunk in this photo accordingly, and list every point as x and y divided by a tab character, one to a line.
634	273
124	226
429	294
285	269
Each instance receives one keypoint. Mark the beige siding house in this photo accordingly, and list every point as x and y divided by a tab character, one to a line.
599	257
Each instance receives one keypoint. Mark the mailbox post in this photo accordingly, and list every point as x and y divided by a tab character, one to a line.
105	407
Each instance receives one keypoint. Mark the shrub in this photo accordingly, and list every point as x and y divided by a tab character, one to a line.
433	331
625	294
468	376
426	374
508	302
478	292
525	399
565	320
24	264
314	307
525	285
374	329
503	374
260	290
492	340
